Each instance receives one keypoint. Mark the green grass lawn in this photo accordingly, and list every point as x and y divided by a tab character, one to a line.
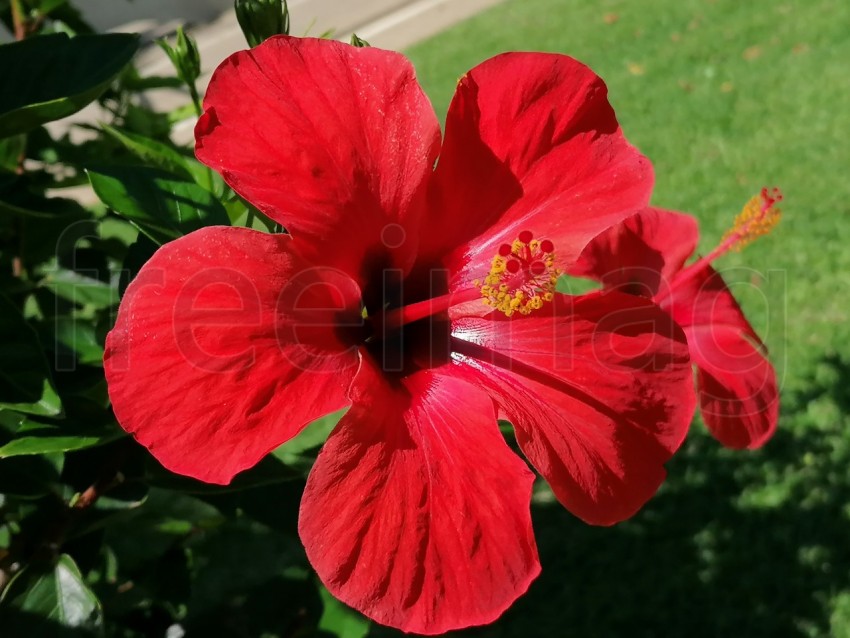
724	96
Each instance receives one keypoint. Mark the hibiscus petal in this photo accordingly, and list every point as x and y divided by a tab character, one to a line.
738	395
531	144
332	141
226	345
642	254
736	383
599	390
703	299
417	512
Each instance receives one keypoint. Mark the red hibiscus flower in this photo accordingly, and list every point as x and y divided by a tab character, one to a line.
646	255
423	298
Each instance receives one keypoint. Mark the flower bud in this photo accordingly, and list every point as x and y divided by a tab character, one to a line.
184	56
357	41
261	19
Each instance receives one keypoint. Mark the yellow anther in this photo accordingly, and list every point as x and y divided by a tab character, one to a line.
757	218
498	265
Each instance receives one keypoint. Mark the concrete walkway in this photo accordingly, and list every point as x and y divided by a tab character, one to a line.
389	24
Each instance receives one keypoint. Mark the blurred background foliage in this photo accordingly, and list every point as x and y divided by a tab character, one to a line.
96	539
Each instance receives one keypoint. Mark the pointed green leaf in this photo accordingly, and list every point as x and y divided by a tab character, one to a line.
59	594
48	77
50	439
79	289
160	204
159	155
151	152
340	620
79	336
25	383
23	436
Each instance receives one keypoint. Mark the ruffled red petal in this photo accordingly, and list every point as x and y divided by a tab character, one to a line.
643	254
416	512
738	393
334	142
531	144
226	344
703	299
599	390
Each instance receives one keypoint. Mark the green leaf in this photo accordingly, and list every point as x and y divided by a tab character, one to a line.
11	150
138	254
79	289
160	204
247	571
25	383
59	594
159	155
22	436
49	77
151	152
339	619
13	422
46	439
299	453
132	81
151	529
241	213
79	336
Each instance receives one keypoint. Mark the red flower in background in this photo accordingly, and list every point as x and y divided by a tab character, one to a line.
422	298
646	255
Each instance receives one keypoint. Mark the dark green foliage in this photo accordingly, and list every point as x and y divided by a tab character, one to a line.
97	539
52	76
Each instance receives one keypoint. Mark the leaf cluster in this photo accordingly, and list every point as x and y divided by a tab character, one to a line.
96	538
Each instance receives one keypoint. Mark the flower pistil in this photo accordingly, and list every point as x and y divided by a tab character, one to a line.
522	276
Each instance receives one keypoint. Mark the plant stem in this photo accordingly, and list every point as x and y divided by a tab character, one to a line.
19	20
196	99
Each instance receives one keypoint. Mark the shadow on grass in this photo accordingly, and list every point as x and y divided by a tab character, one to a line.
755	544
